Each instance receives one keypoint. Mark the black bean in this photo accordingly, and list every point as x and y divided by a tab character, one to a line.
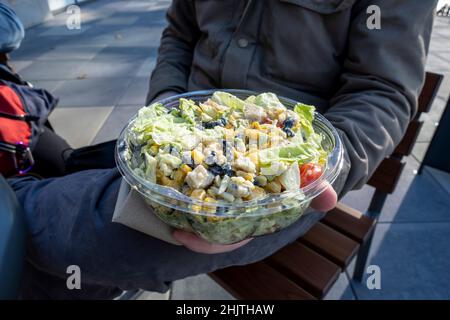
227	170
225	146
211	124
289	123
220	211
216	170
289	132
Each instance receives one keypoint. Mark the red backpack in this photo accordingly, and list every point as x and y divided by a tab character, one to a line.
23	113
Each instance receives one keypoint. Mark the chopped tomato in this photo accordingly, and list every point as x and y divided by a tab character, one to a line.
267	120
309	172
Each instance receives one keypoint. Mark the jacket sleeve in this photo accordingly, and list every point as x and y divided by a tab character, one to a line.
383	74
68	221
175	51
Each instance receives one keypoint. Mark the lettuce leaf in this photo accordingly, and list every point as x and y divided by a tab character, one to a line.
229	100
268	101
188	110
301	153
150	167
290	179
152	111
306	114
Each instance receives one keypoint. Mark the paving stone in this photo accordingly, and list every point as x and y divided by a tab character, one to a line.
414	261
79	126
88	92
115	123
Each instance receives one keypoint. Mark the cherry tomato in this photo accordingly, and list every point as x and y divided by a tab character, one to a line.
309	172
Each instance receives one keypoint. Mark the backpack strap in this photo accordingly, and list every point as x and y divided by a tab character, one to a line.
7	74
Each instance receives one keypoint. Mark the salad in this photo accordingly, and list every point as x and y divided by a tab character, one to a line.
228	149
222	151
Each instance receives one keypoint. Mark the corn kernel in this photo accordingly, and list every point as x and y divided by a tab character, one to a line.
198	194
236	153
179	176
252	134
165	181
154	149
252	146
185	168
273	187
246	175
197	157
257	193
261	181
212	192
279	111
255	125
212	218
253	156
159	174
210	209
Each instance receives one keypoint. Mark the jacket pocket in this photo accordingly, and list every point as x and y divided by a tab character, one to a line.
323	6
304	41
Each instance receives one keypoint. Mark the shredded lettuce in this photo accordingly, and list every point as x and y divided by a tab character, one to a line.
229	100
208	110
152	111
306	114
268	101
150	167
188	110
290	179
250	99
301	153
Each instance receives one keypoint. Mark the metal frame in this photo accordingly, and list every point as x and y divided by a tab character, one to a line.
374	211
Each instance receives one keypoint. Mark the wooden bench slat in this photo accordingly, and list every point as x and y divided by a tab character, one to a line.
405	146
308	269
331	244
259	281
429	91
349	222
387	174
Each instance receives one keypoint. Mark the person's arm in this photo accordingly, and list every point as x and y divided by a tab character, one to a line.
382	76
175	51
69	223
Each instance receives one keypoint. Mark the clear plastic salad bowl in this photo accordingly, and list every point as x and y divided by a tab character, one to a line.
224	222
